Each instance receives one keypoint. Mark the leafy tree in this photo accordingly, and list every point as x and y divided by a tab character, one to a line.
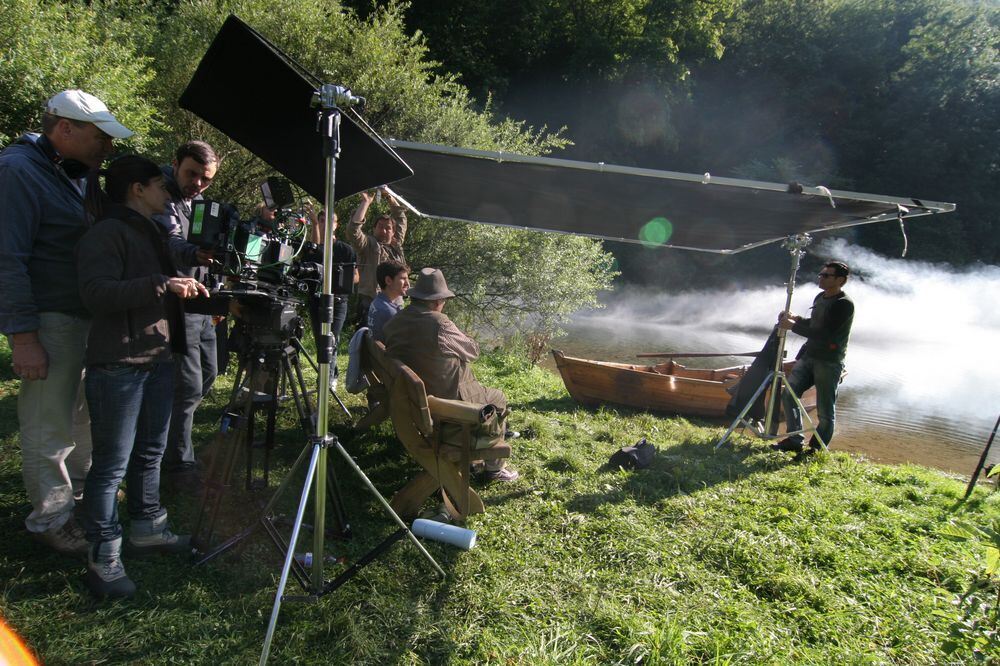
873	95
566	273
502	276
603	69
46	47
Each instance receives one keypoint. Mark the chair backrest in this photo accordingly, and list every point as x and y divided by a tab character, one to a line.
402	385
409	387
374	360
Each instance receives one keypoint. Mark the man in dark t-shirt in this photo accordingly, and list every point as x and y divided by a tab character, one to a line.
820	361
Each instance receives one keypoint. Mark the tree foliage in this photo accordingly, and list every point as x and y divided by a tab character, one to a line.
139	55
602	68
891	96
46	47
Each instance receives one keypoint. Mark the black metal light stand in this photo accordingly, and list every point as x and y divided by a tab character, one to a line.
796	246
330	99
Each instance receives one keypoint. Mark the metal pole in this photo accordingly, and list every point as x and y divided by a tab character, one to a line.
387	507
982	462
290	555
796	247
330	128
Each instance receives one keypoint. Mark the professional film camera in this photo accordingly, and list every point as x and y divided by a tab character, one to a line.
266	263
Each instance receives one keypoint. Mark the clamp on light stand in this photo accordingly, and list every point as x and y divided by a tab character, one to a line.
330	99
796	246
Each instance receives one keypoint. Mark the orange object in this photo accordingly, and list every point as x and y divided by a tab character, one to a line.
13	651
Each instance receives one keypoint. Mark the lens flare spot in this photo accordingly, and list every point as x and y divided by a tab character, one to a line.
656	232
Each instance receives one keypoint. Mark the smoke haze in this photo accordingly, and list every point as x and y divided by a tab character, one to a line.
923	357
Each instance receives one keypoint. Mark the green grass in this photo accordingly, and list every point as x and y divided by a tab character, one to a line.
741	556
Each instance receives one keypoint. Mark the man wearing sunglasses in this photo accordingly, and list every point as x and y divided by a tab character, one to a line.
820	361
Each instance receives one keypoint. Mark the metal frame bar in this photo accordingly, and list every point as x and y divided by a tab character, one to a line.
915	207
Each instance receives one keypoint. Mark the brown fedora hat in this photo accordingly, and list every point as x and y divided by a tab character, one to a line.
430	286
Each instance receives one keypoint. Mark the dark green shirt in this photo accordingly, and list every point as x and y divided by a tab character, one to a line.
828	329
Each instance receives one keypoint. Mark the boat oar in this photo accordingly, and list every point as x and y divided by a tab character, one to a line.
693	355
982	461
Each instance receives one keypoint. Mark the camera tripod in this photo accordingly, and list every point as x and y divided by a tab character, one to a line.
778	381
269	373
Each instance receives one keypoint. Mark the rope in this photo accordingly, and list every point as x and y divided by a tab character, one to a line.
900	212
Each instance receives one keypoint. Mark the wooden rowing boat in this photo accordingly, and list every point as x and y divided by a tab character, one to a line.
665	387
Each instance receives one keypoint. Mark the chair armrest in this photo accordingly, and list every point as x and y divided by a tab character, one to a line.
457	411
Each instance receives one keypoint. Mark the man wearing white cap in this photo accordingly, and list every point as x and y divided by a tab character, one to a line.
42	179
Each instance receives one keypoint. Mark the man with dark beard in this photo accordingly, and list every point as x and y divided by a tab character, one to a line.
192	171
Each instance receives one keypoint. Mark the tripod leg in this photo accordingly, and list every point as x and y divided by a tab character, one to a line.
805	414
298	345
300	395
746	408
265	519
337	504
290	555
388	509
341	403
220	470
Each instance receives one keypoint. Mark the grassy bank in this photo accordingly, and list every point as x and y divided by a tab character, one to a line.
740	556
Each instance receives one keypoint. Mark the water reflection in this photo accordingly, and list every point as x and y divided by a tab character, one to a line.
922	363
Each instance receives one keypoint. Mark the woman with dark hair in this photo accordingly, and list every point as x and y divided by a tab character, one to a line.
126	282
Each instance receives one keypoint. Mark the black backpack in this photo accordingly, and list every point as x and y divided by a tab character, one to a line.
639	456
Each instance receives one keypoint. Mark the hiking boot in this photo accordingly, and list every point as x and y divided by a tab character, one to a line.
788	444
505	475
67	539
106	575
152	537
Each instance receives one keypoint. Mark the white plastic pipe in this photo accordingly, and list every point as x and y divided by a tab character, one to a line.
445	533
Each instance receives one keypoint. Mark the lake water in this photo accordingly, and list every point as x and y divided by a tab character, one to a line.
923	361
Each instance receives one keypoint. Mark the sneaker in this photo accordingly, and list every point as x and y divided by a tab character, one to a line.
814	445
511	434
788	444
153	537
106	575
67	539
439	514
506	474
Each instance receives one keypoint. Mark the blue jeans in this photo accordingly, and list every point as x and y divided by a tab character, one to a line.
825	376
129	418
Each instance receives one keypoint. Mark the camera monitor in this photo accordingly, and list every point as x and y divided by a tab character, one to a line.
277	192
